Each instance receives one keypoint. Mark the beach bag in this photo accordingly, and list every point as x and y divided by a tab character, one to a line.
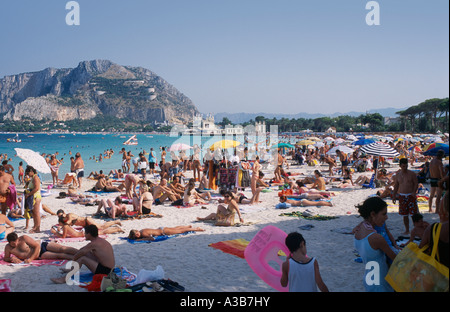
413	270
114	281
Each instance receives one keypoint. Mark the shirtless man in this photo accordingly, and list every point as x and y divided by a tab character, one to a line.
131	181
25	249
436	174
149	234
405	189
79	168
161	192
5	181
98	255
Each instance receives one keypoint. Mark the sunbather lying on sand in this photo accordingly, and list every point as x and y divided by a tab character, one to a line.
149	234
304	202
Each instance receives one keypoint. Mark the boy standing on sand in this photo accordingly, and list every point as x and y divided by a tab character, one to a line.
405	186
299	270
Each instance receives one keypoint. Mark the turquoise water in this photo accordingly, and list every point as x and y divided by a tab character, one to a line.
89	145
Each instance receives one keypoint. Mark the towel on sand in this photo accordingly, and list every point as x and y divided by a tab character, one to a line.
234	247
308	216
34	262
157	238
85	278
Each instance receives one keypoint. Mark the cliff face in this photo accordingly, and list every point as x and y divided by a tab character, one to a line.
93	88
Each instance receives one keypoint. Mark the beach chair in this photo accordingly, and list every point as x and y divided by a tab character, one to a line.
371	183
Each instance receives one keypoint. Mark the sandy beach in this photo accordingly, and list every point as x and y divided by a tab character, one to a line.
188	259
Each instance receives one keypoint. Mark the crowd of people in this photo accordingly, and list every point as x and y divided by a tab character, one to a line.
150	184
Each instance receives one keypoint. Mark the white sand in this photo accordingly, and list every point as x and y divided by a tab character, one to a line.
199	268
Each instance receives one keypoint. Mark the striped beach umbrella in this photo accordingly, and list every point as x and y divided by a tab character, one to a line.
379	149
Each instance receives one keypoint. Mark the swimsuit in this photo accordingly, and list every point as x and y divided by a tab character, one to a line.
407	204
43	248
101	269
434	182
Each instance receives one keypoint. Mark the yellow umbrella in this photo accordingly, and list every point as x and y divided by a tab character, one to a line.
306	142
224	144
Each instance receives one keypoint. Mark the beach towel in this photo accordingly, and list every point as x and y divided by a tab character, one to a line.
85	278
157	238
12	197
308	216
5	285
34	262
234	247
423	206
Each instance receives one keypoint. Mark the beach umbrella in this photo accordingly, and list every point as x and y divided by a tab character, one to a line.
179	147
343	148
313	138
306	142
283	145
379	149
33	159
339	141
363	142
319	144
224	144
416	148
434	145
351	137
433	151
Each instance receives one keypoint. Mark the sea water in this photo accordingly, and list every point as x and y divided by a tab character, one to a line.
91	145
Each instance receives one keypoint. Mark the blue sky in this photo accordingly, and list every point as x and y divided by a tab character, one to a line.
285	56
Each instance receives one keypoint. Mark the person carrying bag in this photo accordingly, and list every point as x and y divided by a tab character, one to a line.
415	270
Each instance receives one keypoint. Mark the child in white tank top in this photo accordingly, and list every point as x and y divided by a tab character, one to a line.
300	271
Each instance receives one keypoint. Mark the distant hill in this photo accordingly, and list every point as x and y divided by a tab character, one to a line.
92	89
238	118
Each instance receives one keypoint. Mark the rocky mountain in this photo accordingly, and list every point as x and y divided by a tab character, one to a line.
93	88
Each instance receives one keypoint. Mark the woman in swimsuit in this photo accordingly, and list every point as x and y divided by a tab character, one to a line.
75	220
54	167
191	197
149	234
6	226
66	230
112	209
255	176
143	204
34	190
224	216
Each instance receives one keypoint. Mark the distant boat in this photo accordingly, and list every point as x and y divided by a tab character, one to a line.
131	141
15	139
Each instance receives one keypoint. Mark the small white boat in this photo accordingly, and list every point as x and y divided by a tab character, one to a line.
131	141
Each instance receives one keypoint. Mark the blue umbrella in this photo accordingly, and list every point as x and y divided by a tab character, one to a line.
433	151
363	142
